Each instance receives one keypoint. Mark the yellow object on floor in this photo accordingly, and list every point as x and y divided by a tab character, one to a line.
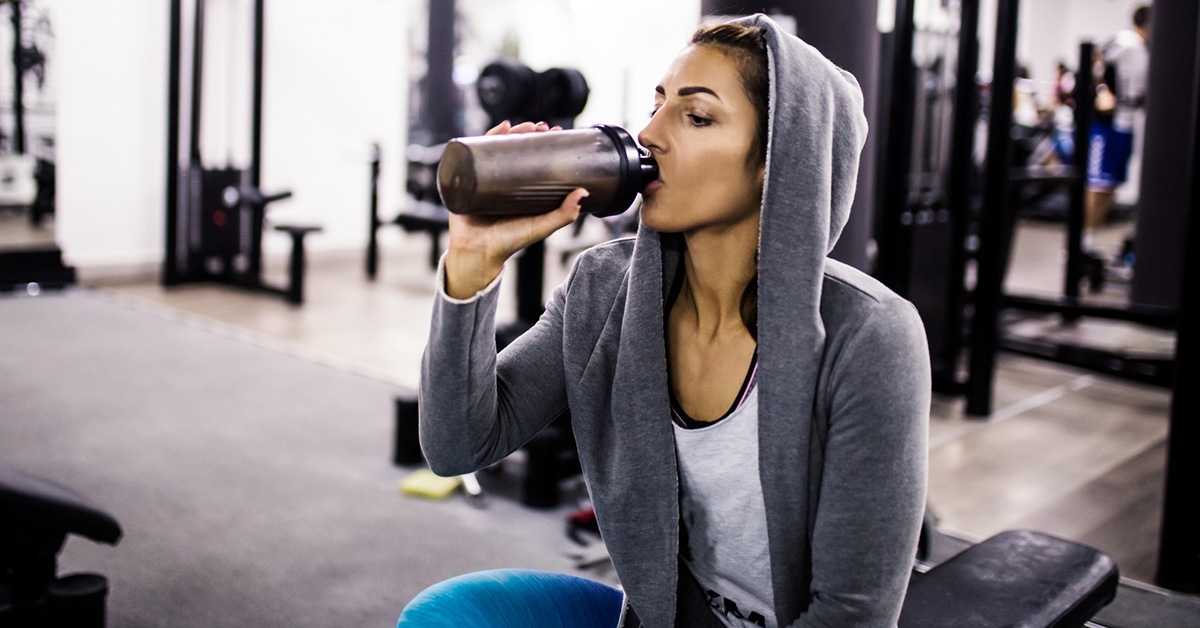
426	483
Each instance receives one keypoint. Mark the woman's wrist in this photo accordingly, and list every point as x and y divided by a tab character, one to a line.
467	273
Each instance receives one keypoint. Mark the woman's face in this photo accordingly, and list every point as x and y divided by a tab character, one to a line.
700	132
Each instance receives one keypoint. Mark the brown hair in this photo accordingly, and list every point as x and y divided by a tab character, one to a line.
1141	16
747	47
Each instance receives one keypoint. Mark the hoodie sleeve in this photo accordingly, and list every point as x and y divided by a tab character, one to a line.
873	488
477	407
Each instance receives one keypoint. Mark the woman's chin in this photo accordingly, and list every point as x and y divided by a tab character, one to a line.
654	216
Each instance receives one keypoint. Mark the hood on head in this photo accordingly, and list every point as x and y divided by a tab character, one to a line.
816	131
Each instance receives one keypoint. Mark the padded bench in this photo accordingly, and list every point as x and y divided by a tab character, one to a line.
1018	578
36	515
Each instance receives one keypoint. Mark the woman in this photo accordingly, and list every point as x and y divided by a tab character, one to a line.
751	416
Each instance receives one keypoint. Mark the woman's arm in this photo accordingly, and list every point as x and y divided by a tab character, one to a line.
477	407
873	488
474	411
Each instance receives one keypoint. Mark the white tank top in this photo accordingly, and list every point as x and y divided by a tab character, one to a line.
724	540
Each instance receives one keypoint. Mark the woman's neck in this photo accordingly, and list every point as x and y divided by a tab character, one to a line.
718	266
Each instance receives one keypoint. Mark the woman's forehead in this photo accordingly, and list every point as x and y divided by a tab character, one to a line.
702	66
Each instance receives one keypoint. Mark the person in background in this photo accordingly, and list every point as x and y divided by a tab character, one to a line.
1121	68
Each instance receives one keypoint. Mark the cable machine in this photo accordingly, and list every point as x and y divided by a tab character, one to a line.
215	216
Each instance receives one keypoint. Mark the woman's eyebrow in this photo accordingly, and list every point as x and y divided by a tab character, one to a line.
688	91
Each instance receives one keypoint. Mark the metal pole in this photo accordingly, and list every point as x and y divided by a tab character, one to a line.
18	82
1179	547
170	274
373	238
257	211
257	102
1079	163
895	236
992	248
958	193
197	83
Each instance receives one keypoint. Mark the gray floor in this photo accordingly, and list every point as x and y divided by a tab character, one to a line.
1067	452
254	486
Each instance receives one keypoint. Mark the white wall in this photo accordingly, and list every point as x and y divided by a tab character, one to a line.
111	122
334	84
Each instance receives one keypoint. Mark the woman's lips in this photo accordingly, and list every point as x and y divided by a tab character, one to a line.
652	187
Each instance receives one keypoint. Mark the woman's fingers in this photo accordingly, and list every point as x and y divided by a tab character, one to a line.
500	129
506	127
567	212
501	237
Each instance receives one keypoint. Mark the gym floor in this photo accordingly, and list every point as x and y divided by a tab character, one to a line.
1068	452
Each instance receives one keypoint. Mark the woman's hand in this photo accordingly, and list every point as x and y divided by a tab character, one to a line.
480	245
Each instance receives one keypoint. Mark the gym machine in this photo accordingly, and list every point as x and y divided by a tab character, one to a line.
436	119
215	216
925	208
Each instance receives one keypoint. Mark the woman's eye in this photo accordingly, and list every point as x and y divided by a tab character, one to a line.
698	120
653	111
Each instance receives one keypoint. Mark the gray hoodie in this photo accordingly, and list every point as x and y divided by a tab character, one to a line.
843	380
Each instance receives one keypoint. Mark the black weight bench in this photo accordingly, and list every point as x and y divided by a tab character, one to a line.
36	516
1018	578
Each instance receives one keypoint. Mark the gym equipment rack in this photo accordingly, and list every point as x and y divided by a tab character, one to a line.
215	216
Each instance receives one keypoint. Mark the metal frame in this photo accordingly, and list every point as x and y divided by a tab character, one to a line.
996	233
1079	164
958	193
993	248
1179	547
924	209
189	182
894	235
18	81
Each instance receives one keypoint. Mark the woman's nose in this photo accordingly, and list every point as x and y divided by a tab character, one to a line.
649	137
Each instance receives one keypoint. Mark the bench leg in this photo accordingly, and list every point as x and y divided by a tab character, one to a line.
295	292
